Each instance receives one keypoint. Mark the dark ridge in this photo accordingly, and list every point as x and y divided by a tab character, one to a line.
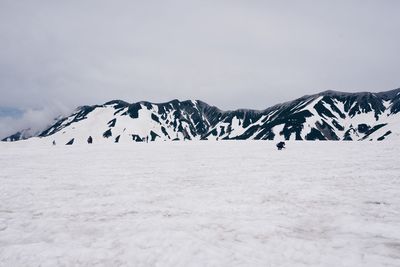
136	138
373	129
383	136
385	94
70	142
315	134
112	123
119	103
154	118
153	135
107	133
12	138
79	115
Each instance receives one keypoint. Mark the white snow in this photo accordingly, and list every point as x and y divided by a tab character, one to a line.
237	127
277	131
310	105
232	203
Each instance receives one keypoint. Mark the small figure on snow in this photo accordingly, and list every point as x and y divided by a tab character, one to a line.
280	145
54	142
90	140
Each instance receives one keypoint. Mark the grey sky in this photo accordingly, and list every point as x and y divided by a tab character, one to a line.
232	54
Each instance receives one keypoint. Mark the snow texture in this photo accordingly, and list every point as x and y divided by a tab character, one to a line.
227	203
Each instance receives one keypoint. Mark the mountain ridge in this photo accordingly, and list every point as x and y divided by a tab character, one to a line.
328	115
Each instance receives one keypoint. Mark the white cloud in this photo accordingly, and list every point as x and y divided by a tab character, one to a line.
35	120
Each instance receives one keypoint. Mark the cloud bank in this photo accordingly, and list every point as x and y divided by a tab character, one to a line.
232	54
32	120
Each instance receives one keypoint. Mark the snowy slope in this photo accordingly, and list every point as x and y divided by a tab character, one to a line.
200	204
328	115
117	121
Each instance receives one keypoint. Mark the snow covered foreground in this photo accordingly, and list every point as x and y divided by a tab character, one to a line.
207	203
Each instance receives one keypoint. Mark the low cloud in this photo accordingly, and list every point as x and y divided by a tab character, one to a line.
33	120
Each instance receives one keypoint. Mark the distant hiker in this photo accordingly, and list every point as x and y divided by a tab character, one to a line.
280	145
90	140
54	142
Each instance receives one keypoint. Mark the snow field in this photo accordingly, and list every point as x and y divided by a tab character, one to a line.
227	203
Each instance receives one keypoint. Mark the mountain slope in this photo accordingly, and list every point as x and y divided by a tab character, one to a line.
328	115
21	135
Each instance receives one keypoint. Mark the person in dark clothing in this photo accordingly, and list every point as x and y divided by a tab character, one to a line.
90	140
54	142
280	145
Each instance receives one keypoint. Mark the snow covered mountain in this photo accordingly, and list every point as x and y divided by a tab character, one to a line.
329	115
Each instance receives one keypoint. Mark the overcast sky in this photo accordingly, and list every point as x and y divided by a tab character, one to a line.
232	54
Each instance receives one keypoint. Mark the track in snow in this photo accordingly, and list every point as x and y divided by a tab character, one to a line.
208	203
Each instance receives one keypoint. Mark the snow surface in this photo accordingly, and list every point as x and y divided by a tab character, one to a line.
227	203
